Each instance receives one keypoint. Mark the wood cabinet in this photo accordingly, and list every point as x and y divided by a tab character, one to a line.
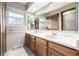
42	41
41	47
27	40
32	43
41	50
62	50
52	52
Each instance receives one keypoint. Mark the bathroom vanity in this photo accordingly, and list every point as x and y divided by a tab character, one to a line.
45	45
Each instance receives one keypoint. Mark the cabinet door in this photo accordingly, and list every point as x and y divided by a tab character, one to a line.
62	49
32	38
32	45
41	50
27	40
53	53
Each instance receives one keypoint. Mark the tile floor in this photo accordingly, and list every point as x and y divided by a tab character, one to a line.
19	51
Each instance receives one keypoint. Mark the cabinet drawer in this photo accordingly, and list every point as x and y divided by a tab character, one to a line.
32	38
62	49
42	41
53	53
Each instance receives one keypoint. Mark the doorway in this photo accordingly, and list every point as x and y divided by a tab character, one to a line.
15	29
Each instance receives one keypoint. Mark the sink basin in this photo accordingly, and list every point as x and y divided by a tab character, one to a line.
33	32
50	36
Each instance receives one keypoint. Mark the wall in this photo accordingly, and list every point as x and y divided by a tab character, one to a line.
78	16
16	6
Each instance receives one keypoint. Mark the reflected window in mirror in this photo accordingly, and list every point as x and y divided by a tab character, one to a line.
69	20
53	22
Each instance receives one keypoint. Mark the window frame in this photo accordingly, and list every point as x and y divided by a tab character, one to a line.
14	17
63	21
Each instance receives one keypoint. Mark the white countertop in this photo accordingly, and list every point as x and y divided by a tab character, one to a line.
67	41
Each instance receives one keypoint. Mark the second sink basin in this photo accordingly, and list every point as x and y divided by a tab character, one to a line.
50	36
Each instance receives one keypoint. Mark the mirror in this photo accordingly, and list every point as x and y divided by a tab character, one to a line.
37	23
69	20
53	22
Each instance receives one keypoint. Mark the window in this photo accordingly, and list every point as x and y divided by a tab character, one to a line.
69	20
16	15
15	19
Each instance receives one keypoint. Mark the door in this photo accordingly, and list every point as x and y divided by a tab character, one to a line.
2	29
32	45
27	40
15	29
41	50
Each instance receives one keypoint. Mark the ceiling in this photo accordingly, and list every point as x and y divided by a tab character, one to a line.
39	8
36	6
23	3
52	7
